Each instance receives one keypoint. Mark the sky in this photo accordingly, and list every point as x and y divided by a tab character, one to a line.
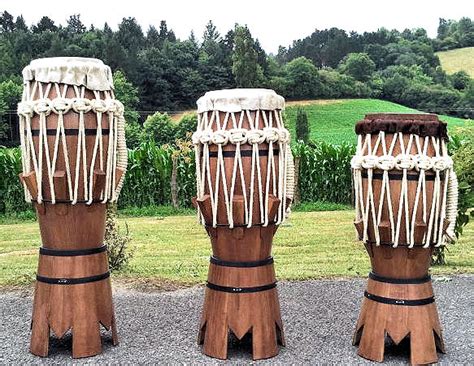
274	23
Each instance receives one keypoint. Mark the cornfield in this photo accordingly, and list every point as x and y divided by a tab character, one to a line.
148	181
324	175
324	172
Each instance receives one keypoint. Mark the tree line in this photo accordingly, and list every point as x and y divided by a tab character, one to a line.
164	73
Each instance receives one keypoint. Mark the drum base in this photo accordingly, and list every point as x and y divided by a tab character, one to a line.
254	313
73	290
79	308
418	322
241	295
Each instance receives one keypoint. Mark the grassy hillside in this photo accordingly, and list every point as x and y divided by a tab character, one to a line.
176	249
456	60
333	120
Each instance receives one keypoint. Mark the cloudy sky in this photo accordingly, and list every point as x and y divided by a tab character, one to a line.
274	22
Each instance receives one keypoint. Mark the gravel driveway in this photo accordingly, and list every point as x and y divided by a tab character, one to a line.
319	318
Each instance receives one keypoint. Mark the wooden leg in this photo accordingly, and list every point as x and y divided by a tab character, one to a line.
420	323
224	312
39	344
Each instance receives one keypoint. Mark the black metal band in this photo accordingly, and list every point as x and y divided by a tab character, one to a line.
400	281
240	290
220	262
66	201
73	252
72	281
243	153
390	301
239	225
396	176
70	132
400	245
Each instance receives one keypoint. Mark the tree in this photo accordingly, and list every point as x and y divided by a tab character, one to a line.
45	24
302	79
130	35
165	34
358	65
302	126
6	22
247	72
460	80
10	96
127	93
74	25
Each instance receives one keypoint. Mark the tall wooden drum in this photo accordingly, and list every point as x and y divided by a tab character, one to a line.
244	186
74	159
406	204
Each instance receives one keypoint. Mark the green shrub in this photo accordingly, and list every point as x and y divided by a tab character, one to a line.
186	127
117	243
464	167
159	128
302	125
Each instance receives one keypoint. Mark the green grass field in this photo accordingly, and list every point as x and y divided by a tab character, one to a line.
175	250
456	60
333	120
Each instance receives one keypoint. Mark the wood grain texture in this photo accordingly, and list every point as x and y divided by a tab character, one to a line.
377	320
81	308
257	313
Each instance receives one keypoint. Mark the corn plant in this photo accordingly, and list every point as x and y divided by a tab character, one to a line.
11	191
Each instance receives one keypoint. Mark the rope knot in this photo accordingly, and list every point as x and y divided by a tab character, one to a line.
442	163
205	137
61	105
196	137
43	106
99	105
422	162
271	134
369	162
111	106
26	109
220	137
238	136
284	135
255	136
404	161
356	162
81	105
386	162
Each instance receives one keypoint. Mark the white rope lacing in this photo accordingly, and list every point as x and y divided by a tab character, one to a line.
211	132
36	102
444	194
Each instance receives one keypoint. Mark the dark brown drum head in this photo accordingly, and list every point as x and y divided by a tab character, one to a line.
407	123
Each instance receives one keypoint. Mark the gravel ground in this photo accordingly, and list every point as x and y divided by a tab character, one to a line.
319	317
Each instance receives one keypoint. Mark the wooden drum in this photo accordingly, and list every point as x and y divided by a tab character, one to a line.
74	159
244	186
406	204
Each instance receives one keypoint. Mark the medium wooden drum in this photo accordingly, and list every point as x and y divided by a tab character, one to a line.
406	204
244	185
74	159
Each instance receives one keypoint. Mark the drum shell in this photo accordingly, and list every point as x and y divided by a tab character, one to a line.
396	186
71	122
246	150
